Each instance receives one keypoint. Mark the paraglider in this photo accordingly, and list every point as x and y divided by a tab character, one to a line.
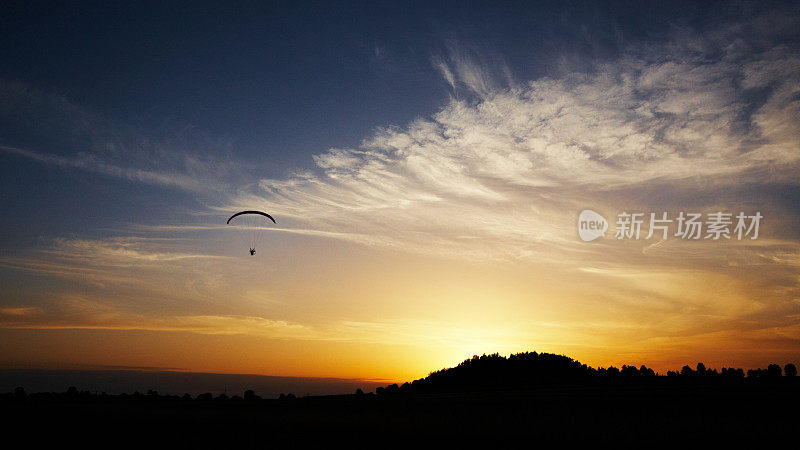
250	225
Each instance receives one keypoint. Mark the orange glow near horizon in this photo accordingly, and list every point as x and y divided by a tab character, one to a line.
396	317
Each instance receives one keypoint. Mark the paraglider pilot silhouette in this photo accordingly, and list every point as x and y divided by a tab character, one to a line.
250	225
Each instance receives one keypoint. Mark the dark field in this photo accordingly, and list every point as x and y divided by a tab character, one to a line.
643	411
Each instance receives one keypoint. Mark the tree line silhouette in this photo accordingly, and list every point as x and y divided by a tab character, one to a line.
73	394
529	369
541	397
519	370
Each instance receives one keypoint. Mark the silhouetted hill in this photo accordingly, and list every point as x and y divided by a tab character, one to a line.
544	398
529	370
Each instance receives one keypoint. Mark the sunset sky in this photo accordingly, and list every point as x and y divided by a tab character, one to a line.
426	166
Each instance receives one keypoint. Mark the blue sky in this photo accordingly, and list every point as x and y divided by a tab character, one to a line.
398	144
267	86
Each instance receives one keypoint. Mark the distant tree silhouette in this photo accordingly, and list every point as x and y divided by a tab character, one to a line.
629	371
250	395
536	394
527	369
731	372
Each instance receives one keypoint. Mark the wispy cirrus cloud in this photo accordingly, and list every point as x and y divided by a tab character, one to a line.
125	274
82	313
74	255
69	311
91	163
500	172
503	171
50	129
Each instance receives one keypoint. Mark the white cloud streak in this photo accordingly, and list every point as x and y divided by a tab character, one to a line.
65	135
502	174
90	163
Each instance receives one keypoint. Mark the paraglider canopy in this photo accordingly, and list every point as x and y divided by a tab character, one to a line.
250	226
261	213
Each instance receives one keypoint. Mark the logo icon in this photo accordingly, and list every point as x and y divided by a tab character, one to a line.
591	225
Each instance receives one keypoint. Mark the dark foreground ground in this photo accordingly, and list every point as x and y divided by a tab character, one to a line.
647	412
